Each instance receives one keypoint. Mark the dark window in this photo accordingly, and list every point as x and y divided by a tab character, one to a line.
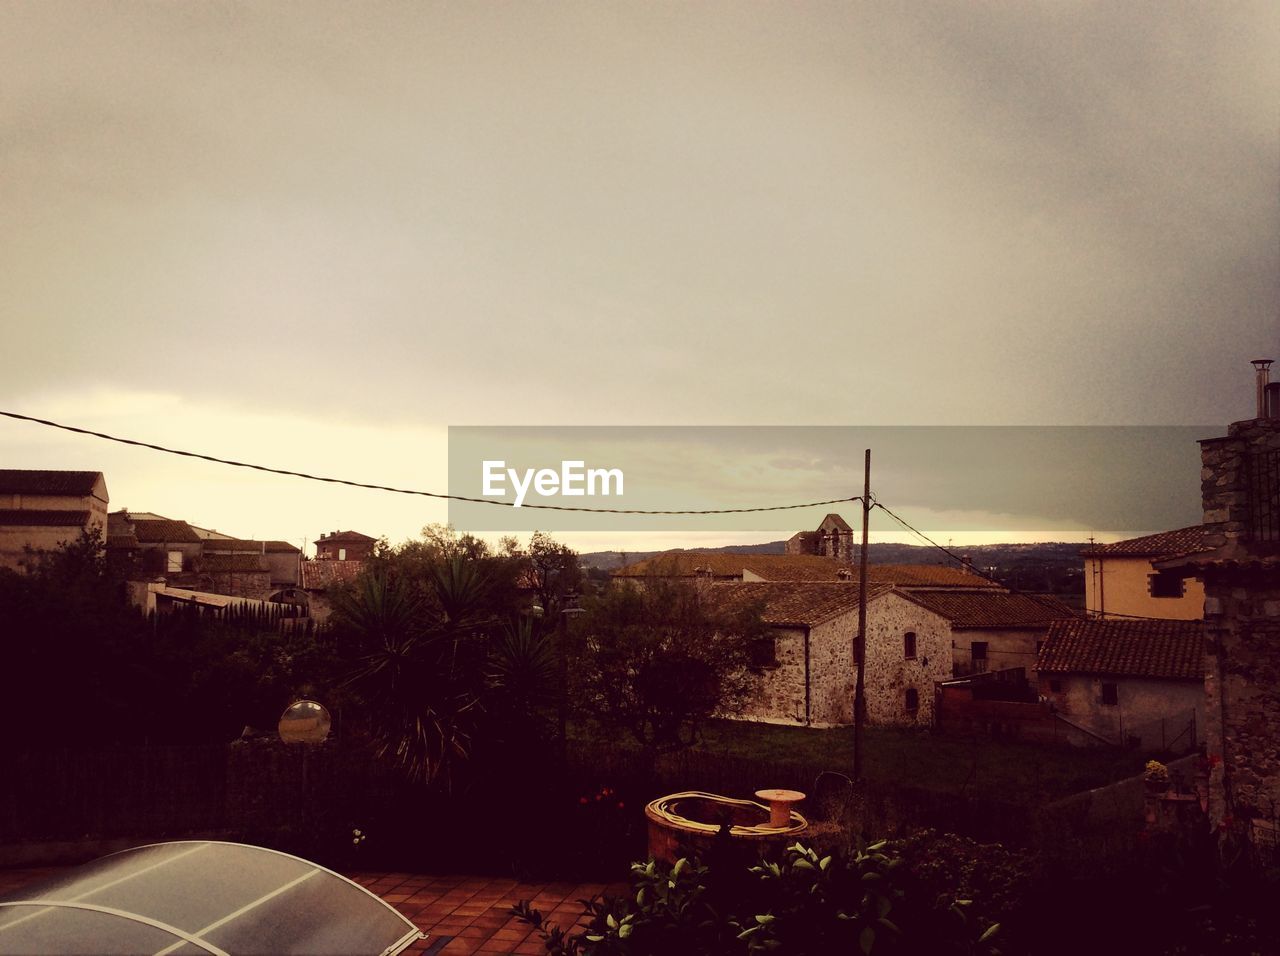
1055	686
909	645
1110	695
764	652
913	701
978	656
1165	584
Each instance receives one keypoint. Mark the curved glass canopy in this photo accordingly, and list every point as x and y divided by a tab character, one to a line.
200	897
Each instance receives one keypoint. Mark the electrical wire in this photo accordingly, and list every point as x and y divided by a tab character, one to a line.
409	491
968	566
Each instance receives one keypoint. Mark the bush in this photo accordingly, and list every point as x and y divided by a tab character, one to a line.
800	904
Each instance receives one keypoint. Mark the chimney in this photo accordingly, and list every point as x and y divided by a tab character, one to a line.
844	574
1263	371
1272	402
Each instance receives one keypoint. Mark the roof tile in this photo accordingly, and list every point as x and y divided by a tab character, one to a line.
1182	541
993	608
21	481
35	518
1123	648
790	603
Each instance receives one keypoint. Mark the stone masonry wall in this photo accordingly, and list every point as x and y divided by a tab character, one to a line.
1242	625
890	674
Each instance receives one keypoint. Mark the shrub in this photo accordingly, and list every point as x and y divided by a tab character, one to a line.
801	904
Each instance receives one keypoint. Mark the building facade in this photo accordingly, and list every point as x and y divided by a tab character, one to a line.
1121	578
41	510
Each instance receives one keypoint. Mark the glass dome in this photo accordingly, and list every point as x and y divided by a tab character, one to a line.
198	897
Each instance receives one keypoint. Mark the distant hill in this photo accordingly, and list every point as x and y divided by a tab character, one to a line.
1050	567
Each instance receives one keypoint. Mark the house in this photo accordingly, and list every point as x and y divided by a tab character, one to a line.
41	510
151	547
281	559
727	566
344	546
1121	578
1240	573
805	671
321	578
1130	682
992	630
833	538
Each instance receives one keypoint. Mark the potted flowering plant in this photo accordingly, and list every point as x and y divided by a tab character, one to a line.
1156	776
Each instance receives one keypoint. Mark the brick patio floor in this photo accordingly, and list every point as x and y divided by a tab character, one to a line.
459	914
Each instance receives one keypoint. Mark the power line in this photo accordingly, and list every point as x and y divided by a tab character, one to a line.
1012	590
409	491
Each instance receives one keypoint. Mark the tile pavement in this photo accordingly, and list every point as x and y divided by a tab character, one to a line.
459	914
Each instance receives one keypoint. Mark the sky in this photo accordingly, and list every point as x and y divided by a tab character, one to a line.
316	235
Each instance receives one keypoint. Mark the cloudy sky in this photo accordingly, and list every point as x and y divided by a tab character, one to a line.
317	234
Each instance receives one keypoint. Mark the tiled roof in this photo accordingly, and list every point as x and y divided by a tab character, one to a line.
345	536
247	546
1182	541
32	518
227	563
795	604
724	564
123	542
799	567
162	530
19	481
992	608
318	575
927	576
1140	648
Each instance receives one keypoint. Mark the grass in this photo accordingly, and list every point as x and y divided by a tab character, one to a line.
991	769
928	761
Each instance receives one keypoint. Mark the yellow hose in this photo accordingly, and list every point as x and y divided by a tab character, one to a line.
659	808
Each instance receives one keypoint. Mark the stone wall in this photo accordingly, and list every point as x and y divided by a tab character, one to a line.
890	674
1007	648
1242	626
778	694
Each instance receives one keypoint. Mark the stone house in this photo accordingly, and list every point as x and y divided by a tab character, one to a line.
1121	578
44	509
805	670
153	547
1240	572
992	630
344	546
1129	682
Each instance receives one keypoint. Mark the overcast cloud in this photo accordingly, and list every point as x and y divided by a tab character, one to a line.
392	217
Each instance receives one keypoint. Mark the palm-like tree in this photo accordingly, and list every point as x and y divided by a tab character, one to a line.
418	650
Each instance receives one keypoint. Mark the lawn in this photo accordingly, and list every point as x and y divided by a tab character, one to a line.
931	761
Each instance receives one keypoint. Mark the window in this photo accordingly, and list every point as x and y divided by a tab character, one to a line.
1110	694
174	562
913	701
978	655
1165	584
342	554
909	645
764	653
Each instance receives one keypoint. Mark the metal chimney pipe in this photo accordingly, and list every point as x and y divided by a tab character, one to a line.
1273	400
1263	367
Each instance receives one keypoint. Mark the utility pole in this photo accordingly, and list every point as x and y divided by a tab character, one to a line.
860	643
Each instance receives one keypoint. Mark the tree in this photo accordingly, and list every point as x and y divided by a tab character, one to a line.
656	661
